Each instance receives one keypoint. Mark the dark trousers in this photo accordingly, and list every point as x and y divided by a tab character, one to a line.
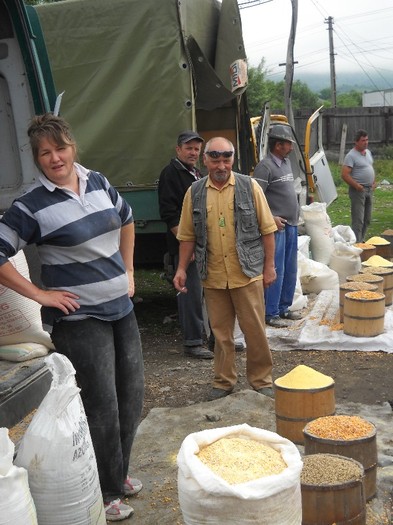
361	209
107	357
189	307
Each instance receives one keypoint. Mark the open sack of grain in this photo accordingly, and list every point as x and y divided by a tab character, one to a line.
216	486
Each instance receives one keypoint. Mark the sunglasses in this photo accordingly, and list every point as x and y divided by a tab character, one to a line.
215	154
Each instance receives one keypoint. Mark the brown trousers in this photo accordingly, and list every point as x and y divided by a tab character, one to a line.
247	303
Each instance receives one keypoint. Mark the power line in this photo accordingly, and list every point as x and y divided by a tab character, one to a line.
243	4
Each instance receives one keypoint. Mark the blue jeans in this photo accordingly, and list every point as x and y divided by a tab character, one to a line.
107	357
189	306
279	296
361	208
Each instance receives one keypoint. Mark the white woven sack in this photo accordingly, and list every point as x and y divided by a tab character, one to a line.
342	233
20	318
16	504
316	276
58	454
345	260
319	228
205	498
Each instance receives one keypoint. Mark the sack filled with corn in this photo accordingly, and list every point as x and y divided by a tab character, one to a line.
239	475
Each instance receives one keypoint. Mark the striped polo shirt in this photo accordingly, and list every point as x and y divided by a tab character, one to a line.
77	238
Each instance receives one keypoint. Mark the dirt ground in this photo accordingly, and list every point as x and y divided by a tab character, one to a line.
173	380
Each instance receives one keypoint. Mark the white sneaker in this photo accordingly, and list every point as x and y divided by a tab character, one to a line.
132	486
116	510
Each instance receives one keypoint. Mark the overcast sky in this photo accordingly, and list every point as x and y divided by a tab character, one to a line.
362	36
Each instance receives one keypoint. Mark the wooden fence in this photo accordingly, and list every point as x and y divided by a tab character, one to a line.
377	121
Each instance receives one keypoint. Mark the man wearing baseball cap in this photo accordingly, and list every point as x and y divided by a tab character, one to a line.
275	176
175	179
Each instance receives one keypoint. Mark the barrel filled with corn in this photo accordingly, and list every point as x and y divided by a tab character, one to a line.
349	436
364	313
302	395
332	490
353	286
367	250
387	275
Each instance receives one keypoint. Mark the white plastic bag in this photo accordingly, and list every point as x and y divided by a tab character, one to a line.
16	504
205	498
344	234
319	228
58	454
299	300
345	260
316	276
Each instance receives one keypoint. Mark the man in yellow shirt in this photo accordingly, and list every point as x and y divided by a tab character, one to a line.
227	223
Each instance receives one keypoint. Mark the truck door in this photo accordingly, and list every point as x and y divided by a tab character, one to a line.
24	91
319	176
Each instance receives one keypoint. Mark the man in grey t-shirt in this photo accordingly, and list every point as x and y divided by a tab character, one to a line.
358	173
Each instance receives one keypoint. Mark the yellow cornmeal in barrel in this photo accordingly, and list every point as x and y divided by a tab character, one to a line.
342	428
304	378
237	460
377	260
364	294
377	241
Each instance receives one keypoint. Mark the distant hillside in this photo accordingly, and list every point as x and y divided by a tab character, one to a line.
346	81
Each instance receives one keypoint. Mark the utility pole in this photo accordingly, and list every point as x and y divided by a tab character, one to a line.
330	23
290	66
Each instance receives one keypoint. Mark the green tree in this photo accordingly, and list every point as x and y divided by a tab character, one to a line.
257	92
352	99
261	90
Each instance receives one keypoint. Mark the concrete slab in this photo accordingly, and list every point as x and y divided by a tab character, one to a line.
161	433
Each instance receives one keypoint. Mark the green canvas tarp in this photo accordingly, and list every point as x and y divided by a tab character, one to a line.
134	73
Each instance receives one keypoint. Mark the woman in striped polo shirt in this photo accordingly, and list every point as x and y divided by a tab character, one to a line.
84	233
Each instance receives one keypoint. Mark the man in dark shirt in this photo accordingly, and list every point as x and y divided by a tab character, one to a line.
175	179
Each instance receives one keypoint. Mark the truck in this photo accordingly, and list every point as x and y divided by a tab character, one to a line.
134	75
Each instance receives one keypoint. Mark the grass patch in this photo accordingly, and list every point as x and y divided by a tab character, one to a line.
382	217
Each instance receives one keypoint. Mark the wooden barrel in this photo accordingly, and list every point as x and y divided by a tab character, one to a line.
296	407
362	449
387	275
364	317
368	278
388	235
383	250
338	504
352	287
367	250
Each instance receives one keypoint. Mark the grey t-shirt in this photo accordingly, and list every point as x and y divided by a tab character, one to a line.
278	186
362	166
